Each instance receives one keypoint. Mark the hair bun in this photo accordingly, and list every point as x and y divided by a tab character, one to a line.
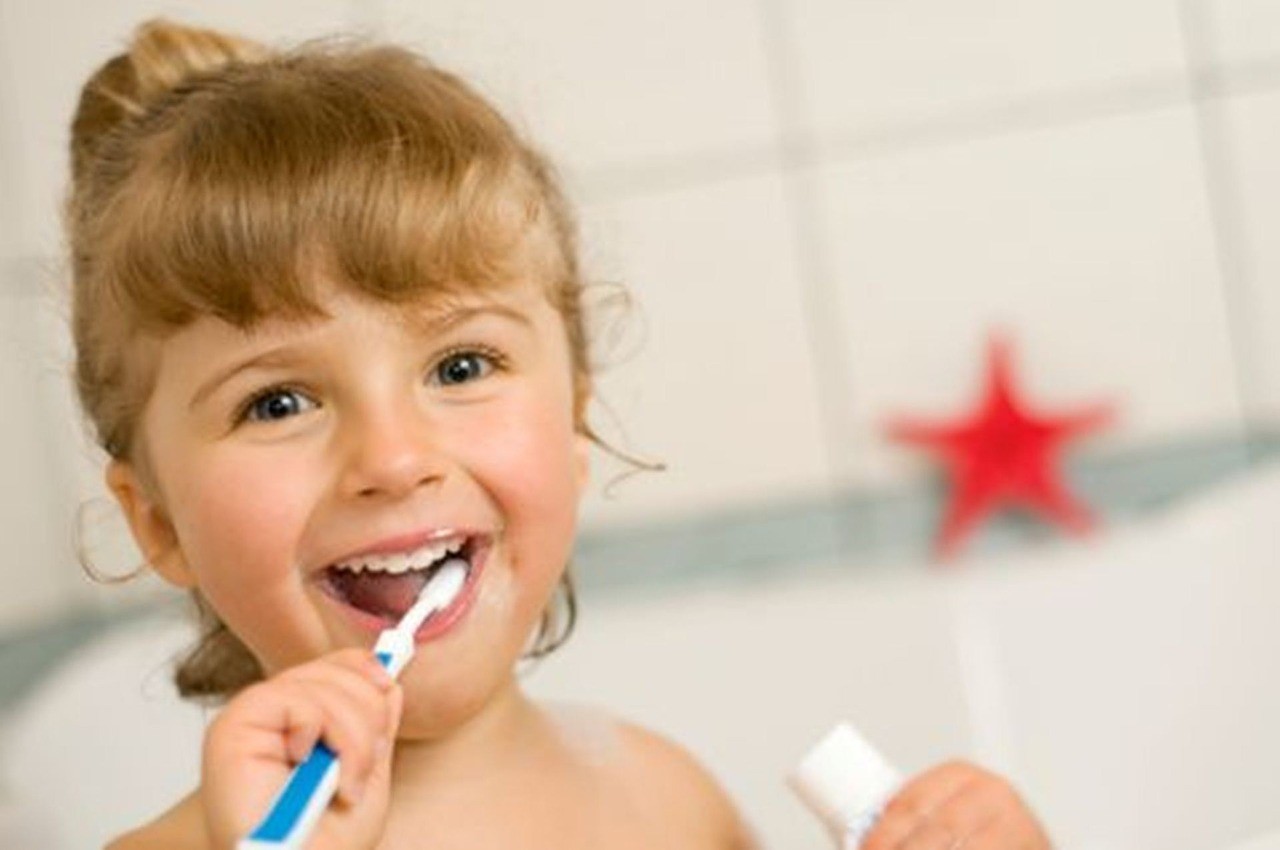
161	56
164	54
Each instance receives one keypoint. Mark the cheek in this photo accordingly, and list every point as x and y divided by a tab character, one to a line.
239	531
524	458
241	515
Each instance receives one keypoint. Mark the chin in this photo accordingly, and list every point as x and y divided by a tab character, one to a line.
434	710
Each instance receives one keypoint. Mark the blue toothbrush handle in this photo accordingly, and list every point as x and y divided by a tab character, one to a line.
303	799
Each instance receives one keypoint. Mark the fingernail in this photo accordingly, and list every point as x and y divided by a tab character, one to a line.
380	747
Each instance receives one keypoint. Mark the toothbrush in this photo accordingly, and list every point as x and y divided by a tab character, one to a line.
312	784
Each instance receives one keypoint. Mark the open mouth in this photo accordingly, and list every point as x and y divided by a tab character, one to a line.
386	586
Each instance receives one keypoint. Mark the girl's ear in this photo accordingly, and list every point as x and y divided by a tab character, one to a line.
151	528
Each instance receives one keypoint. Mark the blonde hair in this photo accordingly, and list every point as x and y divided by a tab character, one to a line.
214	176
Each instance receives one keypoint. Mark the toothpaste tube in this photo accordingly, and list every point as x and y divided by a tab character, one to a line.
846	783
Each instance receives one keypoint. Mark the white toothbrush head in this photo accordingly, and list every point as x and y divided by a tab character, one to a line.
440	590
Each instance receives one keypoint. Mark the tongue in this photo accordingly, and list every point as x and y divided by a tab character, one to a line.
383	594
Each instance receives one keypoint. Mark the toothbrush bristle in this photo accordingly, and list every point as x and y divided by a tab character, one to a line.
439	591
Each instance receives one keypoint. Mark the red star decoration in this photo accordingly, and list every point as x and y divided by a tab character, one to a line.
1003	454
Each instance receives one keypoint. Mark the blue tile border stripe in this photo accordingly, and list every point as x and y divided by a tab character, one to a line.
863	530
897	526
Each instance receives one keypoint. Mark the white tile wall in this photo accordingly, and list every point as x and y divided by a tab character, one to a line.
868	65
602	86
33	501
1092	243
721	385
1135	674
1092	240
1243	31
54	470
1252	127
51	49
9	171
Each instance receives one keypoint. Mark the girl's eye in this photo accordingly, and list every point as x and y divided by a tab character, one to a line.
276	404
463	366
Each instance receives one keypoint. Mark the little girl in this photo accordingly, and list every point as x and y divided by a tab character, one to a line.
328	328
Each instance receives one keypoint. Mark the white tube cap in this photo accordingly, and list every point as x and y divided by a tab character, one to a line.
843	780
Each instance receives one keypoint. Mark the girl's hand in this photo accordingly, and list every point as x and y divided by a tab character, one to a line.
344	698
957	805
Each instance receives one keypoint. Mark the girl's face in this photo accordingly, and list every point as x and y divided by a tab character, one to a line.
278	455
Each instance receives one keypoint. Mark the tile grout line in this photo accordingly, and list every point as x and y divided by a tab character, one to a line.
1040	112
1043	111
1216	155
832	369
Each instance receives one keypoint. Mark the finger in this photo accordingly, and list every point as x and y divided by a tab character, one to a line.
363	662
337	698
266	721
999	833
378	779
350	730
384	751
273	723
304	724
917	801
367	722
395	712
348	662
968	811
395	708
357	670
371	698
319	709
931	835
301	715
1011	827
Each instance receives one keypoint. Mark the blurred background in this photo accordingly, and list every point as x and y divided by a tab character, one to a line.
823	210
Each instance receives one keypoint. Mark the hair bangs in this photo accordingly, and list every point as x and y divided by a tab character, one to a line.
360	178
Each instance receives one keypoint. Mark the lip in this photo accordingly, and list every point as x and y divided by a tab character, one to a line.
438	624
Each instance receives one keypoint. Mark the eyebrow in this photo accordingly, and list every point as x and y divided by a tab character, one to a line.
279	356
435	322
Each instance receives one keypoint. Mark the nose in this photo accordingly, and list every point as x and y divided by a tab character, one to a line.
390	452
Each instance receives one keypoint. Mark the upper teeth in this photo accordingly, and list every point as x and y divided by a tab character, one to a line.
405	561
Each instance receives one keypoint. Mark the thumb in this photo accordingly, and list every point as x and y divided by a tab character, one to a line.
382	768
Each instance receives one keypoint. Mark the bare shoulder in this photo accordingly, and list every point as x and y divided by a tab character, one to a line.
179	828
685	788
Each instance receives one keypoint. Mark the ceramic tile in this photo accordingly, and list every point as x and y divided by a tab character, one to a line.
1091	245
39	571
1251	126
49	50
867	66
1242	32
603	87
712	373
